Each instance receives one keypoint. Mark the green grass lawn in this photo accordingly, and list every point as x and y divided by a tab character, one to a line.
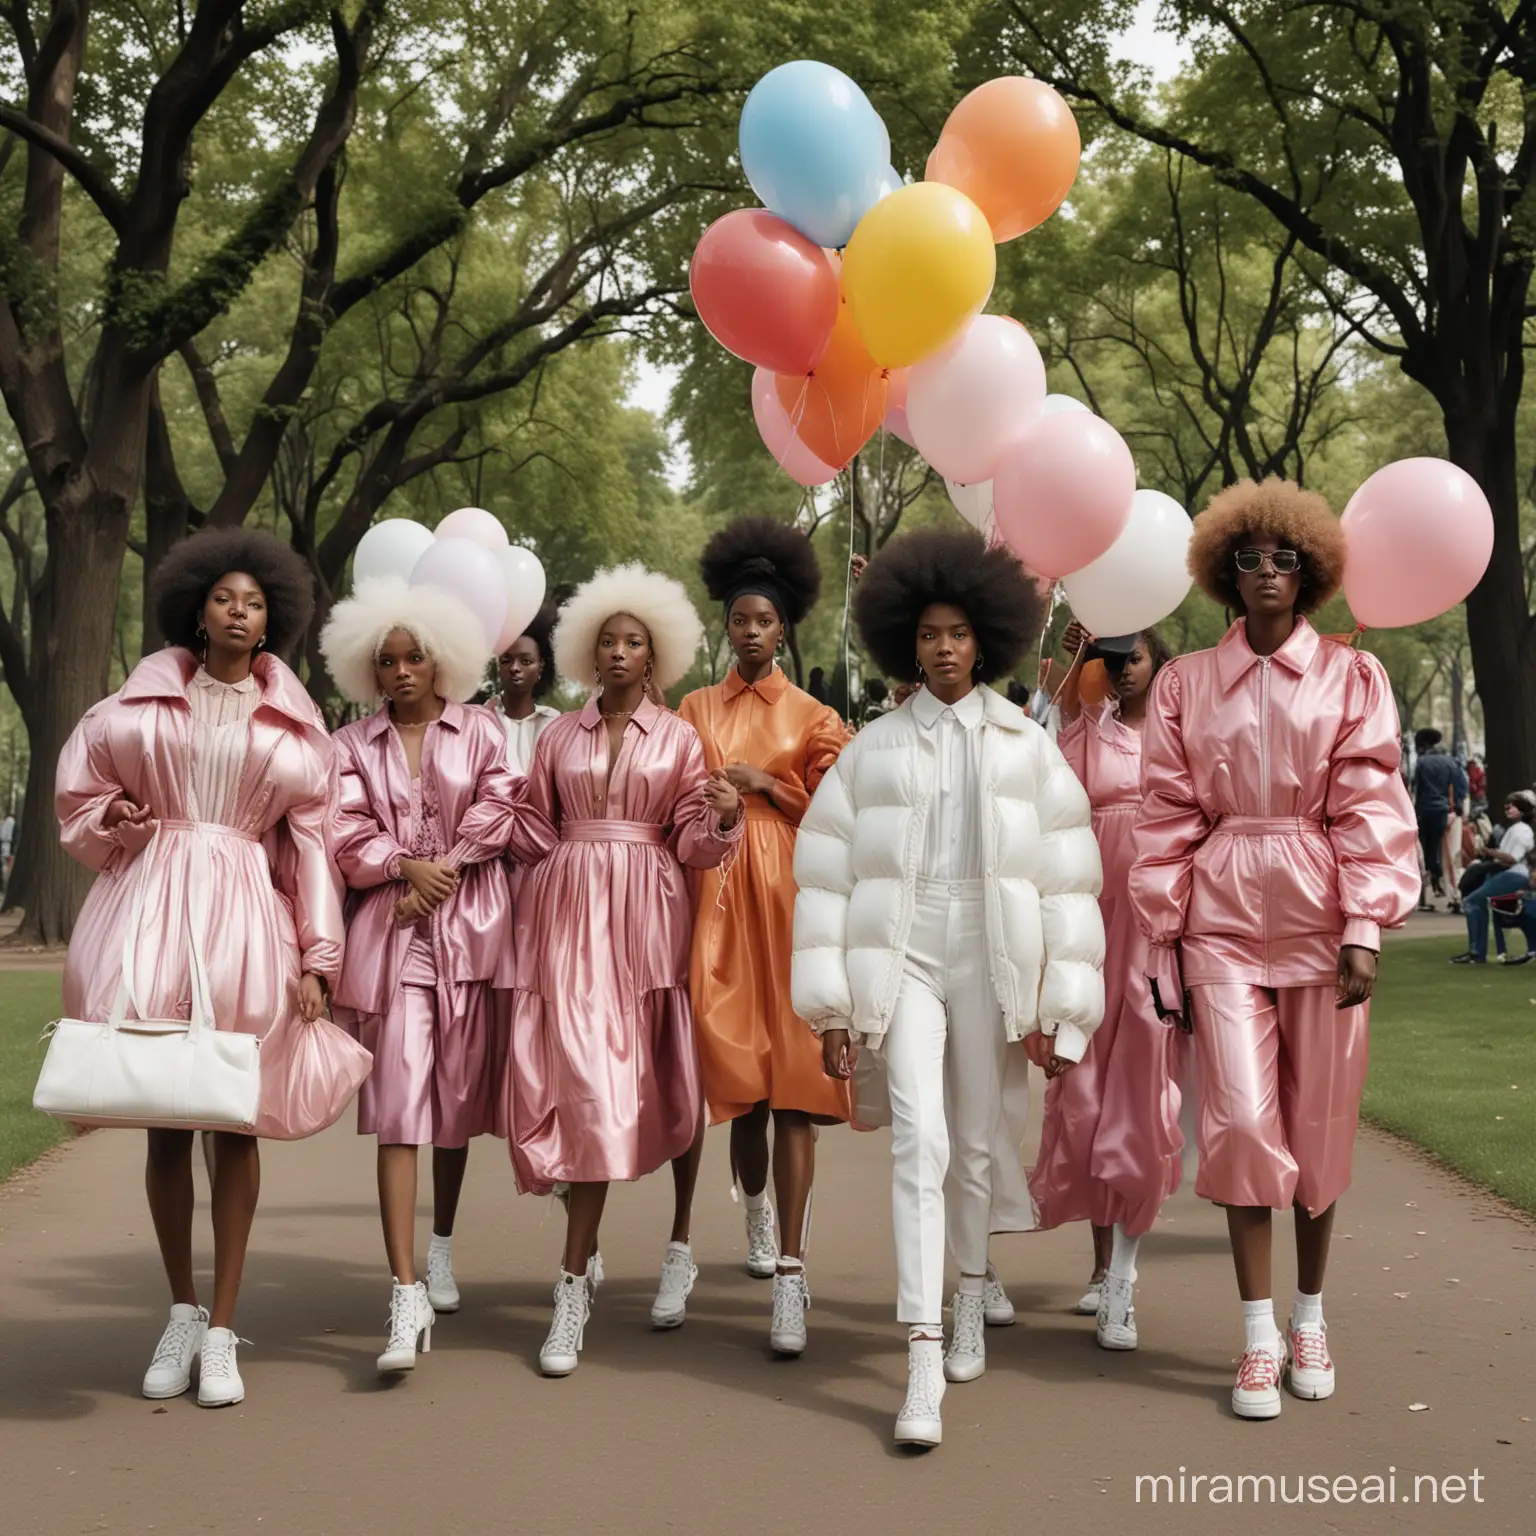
28	1000
1453	1062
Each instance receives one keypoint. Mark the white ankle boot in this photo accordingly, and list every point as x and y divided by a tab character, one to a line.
791	1297
1116	1328
442	1290
762	1243
170	1371
573	1306
410	1317
918	1424
966	1357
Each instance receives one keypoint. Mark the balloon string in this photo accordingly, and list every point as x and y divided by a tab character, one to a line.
853	470
1045	629
1082	645
794	425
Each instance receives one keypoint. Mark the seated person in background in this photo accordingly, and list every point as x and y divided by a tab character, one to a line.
1512	856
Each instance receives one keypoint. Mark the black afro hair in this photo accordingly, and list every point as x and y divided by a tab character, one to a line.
755	550
935	565
189	572
540	627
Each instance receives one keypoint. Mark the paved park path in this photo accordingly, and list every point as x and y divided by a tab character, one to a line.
1430	1301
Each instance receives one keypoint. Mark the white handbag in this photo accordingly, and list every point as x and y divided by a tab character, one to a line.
167	1073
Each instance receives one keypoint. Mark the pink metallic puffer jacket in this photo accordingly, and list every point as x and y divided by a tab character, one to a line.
1275	827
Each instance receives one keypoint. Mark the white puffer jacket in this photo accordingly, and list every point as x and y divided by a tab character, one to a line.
856	862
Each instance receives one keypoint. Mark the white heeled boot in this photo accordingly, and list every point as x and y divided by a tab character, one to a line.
410	1318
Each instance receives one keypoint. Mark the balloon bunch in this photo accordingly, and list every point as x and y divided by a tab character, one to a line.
470	556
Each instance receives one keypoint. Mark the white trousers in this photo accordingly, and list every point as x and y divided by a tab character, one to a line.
952	1143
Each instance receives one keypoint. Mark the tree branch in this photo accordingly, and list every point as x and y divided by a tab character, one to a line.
92	180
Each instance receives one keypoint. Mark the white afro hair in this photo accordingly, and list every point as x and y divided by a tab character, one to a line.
443	626
659	602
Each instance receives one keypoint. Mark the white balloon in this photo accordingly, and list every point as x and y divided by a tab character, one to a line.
1142	577
1056	404
390	548
475	524
973	503
524	576
966	404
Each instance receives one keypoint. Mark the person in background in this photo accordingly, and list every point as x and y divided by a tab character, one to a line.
525	672
1513	858
1477	784
1439	783
7	841
816	686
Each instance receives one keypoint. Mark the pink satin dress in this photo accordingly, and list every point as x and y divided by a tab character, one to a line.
1110	1143
603	1082
253	868
1274	829
420	996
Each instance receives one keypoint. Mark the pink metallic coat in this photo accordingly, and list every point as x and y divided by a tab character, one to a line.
274	903
1110	1143
485	813
1274	826
603	1081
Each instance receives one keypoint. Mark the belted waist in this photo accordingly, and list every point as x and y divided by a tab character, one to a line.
1269	826
217	828
601	830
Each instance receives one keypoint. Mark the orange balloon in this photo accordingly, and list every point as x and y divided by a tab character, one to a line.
1012	147
838	406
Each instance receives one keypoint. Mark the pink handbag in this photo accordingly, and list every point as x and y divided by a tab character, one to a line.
309	1074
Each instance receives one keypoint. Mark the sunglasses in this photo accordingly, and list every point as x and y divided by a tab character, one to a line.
1283	562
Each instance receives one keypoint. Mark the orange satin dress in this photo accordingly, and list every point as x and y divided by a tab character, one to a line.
752	1044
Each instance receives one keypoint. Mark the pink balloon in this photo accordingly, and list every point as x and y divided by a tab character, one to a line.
966	404
1420	535
896	406
475	524
794	458
471	573
764	291
1063	492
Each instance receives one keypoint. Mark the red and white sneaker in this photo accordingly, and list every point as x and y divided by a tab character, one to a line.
1257	1392
1310	1373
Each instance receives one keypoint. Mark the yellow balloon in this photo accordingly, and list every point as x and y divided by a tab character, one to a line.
919	267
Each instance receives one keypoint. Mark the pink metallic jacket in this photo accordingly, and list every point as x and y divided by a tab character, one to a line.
1274	827
485	813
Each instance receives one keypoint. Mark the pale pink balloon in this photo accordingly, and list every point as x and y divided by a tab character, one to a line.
966	404
896	406
1420	535
773	426
471	573
523	576
475	524
1063	492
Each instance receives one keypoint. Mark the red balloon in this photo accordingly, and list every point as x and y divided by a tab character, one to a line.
764	291
839	404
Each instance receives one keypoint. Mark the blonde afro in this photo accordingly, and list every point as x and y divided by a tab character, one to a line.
1300	519
659	602
443	627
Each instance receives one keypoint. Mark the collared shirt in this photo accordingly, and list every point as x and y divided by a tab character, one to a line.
221	737
952	850
523	735
1435	776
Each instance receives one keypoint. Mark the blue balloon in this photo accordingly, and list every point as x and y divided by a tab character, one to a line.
814	149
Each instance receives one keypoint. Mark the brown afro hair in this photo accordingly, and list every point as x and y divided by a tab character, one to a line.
936	565
192	568
1300	519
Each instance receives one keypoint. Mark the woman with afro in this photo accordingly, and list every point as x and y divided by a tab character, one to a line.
774	742
1274	843
201	792
602	1082
948	875
526	674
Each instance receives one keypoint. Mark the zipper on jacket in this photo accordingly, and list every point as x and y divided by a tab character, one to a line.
1265	803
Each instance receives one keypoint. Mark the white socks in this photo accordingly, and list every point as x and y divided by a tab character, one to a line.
755	1202
686	1249
1307	1311
1122	1259
1259	1324
442	1245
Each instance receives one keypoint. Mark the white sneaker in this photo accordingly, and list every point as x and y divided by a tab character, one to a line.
999	1310
170	1372
678	1272
1256	1394
1117	1317
218	1376
1310	1372
573	1306
966	1357
762	1243
791	1296
918	1424
410	1317
442	1289
1088	1302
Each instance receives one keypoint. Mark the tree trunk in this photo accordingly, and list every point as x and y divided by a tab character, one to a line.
1458	708
1499	623
72	659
